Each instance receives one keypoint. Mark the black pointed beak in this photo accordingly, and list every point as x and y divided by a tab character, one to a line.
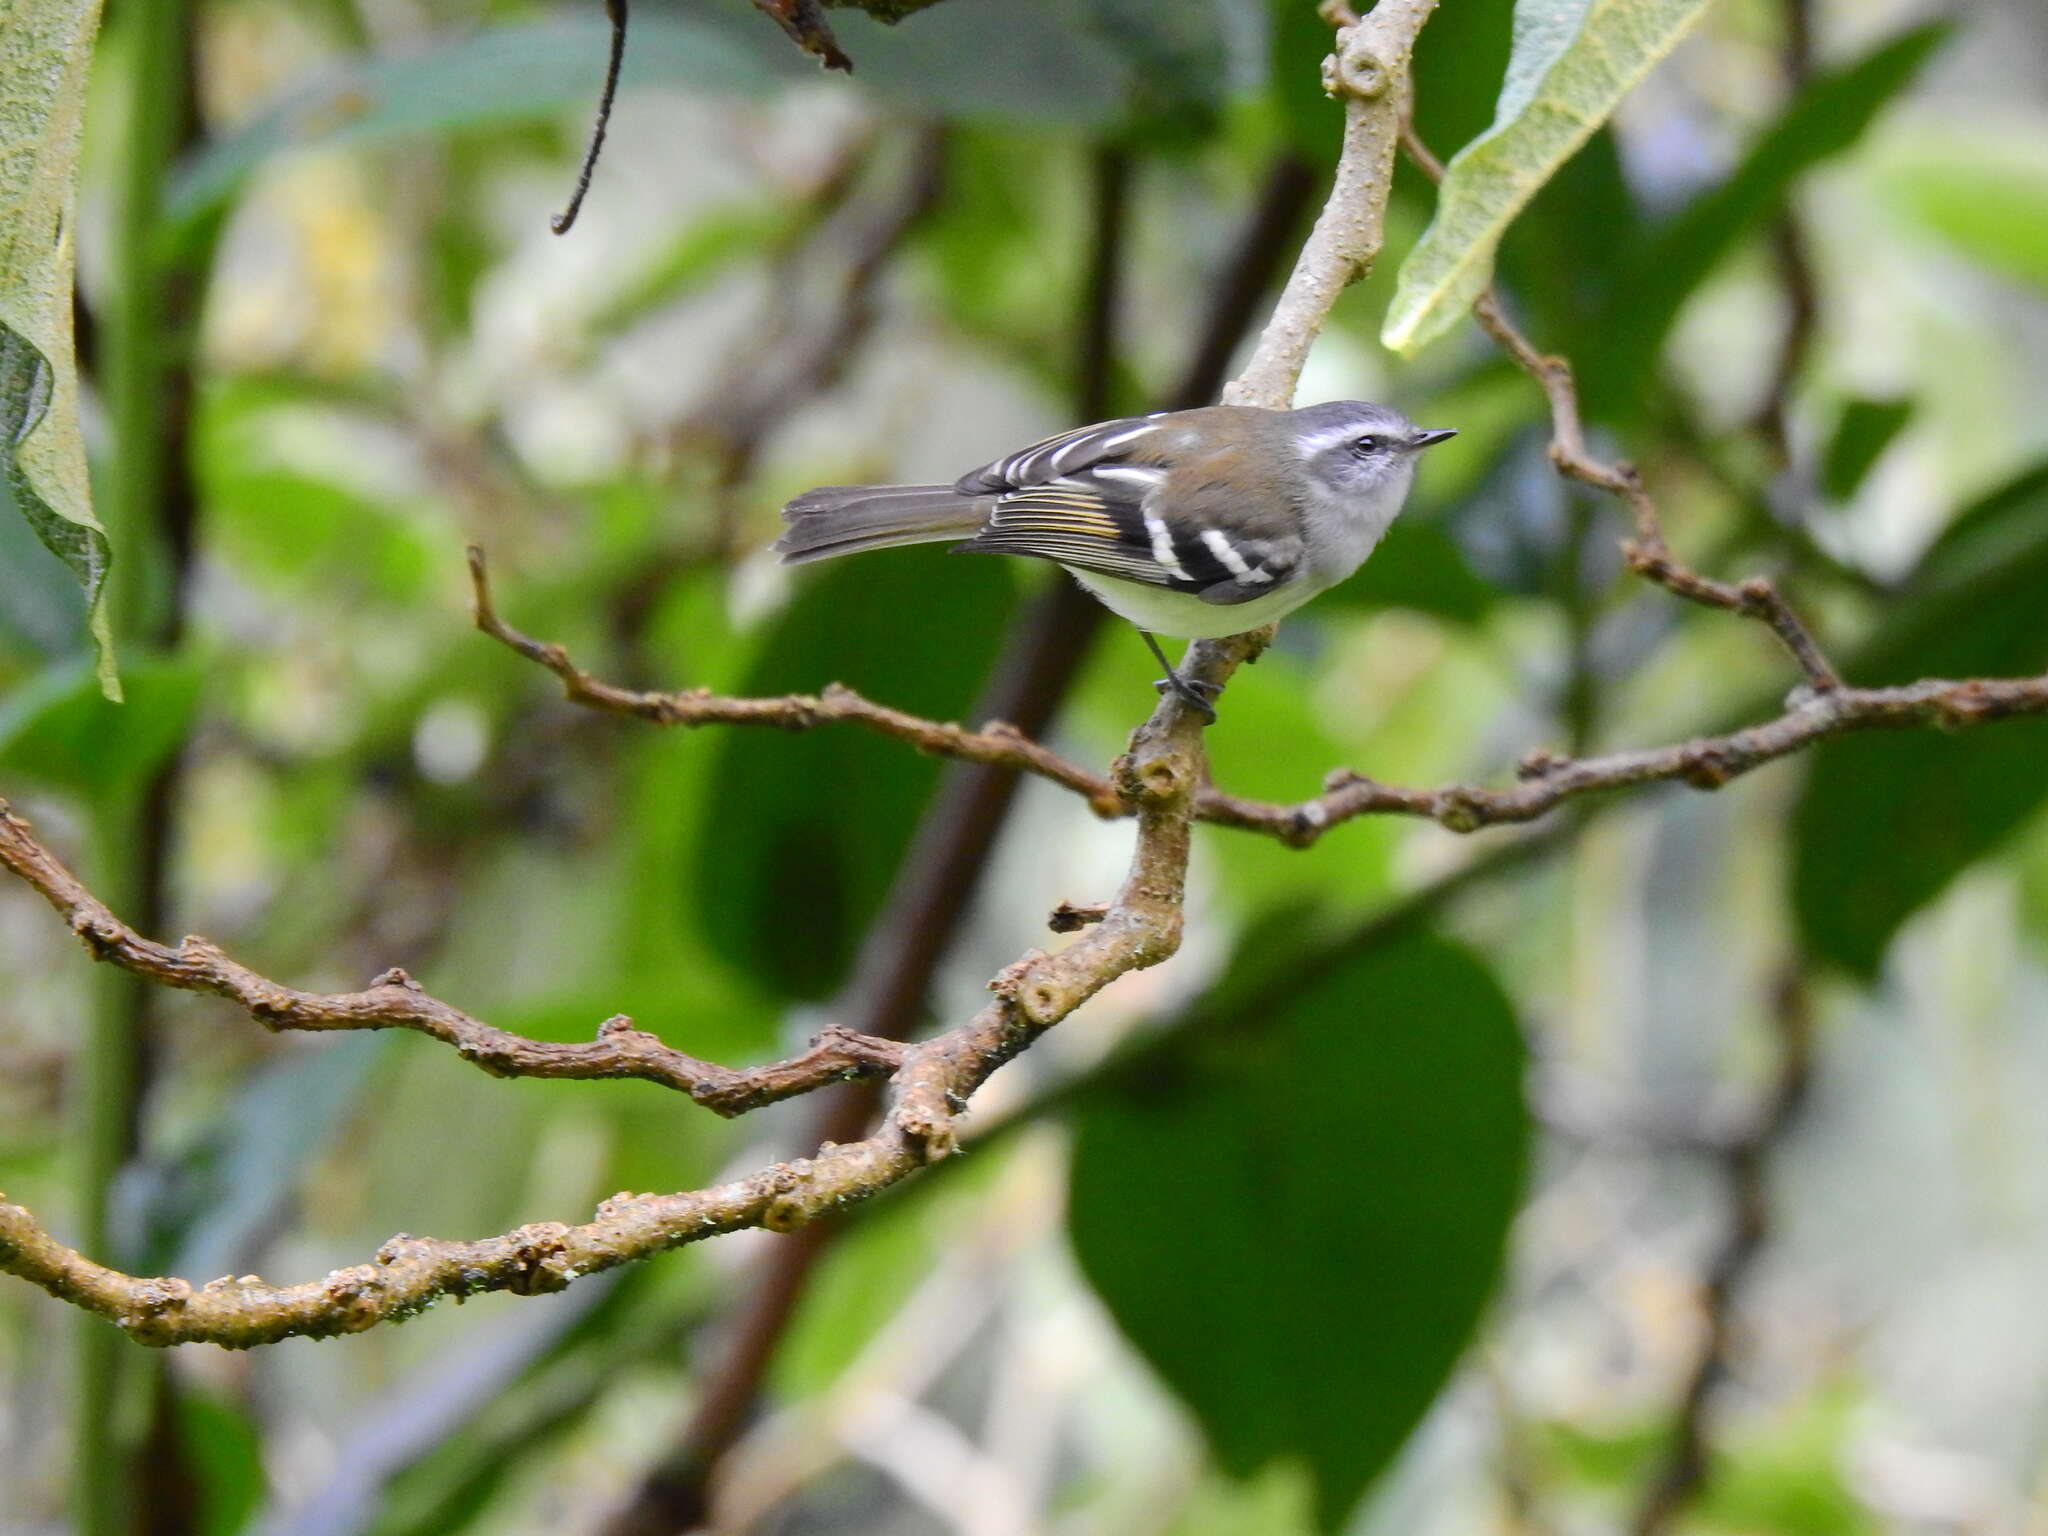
1432	435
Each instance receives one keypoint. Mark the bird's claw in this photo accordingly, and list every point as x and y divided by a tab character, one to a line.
1196	694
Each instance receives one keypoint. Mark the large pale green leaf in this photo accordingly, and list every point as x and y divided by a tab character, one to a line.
45	52
1297	1217
1571	64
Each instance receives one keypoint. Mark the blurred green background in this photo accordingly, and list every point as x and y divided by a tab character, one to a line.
1368	1213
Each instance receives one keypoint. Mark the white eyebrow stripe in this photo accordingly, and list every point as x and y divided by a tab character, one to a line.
1221	547
1311	446
1162	547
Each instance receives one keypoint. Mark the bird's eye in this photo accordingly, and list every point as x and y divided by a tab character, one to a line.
1368	445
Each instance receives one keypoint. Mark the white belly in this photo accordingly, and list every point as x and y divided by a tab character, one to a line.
1185	616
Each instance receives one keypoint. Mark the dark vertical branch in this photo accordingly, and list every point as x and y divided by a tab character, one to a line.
1745	1168
935	886
1794	261
143	368
1109	218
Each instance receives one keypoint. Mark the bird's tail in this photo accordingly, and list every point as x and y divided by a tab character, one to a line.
845	519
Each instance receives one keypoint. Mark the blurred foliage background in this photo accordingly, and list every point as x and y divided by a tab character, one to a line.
1680	1168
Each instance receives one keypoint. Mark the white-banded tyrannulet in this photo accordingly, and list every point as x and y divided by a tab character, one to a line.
1194	523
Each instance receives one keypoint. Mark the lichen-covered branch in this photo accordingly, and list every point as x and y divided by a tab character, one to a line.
1369	72
395	1001
932	1081
1705	762
1545	780
995	743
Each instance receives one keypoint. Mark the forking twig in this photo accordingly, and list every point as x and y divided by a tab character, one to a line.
1158	779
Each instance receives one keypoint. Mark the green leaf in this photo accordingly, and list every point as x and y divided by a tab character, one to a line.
62	730
1885	822
1298	1218
802	834
1827	117
1866	430
1984	191
1571	64
45	53
223	1456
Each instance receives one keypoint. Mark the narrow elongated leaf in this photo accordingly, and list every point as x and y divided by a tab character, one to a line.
45	52
1866	430
1983	190
1885	822
1571	64
1829	116
1298	1219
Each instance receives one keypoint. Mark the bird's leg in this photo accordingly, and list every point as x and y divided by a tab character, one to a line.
1198	696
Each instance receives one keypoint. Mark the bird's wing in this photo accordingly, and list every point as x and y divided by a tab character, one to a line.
1109	518
1124	440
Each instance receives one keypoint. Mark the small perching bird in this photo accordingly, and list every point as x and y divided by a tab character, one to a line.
1195	524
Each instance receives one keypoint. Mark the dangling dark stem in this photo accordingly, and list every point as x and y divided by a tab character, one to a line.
615	10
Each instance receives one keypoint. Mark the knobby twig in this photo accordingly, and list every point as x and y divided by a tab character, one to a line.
931	1085
615	13
1705	762
395	1001
804	21
997	743
1745	1170
937	874
1546	780
1647	553
1158	781
1369	71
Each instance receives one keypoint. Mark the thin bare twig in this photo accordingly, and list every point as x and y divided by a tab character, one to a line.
1706	762
394	1000
913	929
996	743
1648	555
615	13
935	1079
1547	780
